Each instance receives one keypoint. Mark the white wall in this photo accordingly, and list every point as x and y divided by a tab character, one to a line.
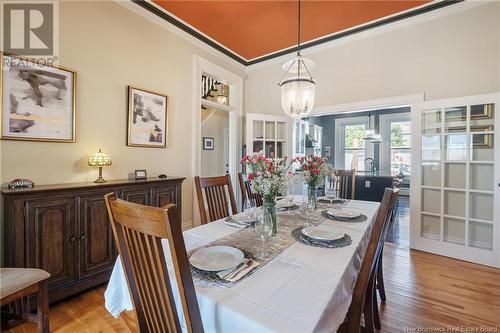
212	160
111	47
453	55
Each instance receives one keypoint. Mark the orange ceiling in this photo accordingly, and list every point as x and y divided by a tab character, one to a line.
253	29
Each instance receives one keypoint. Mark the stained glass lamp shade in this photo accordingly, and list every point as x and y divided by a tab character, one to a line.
100	160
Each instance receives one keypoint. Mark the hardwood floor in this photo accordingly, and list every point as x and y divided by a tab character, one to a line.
424	291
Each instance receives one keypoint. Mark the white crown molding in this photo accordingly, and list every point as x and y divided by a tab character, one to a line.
179	32
421	18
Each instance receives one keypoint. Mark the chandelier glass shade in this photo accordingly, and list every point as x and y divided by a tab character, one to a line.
297	90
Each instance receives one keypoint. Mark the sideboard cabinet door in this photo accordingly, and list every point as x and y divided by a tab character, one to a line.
52	238
95	236
139	195
165	195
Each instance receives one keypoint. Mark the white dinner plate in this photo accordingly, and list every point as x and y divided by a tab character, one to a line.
322	232
216	258
243	218
284	204
343	213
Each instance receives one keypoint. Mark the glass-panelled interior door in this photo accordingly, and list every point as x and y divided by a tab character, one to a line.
456	197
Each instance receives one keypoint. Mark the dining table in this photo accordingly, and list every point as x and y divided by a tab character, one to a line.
302	288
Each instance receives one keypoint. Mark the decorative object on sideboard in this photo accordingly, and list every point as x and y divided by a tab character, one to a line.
208	143
147	119
100	160
141	174
45	111
297	84
20	183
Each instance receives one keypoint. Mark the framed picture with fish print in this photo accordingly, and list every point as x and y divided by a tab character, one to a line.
38	102
147	124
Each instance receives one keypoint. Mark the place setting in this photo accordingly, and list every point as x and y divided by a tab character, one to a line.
322	236
247	218
344	215
220	263
286	204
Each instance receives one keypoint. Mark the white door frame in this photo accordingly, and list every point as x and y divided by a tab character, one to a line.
202	66
485	257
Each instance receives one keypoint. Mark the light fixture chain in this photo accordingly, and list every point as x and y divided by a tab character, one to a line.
298	27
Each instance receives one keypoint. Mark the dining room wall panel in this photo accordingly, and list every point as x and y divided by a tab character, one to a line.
110	47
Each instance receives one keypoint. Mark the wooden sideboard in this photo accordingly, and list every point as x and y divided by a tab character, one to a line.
64	229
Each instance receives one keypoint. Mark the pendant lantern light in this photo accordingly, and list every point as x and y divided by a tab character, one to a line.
369	132
297	84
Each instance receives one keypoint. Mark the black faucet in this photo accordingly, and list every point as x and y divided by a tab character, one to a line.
372	164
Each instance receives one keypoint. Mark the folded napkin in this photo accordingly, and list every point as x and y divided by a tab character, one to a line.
234	223
241	274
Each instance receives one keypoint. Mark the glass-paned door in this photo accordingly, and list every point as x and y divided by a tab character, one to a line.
459	180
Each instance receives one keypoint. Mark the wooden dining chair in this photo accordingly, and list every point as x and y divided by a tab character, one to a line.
18	283
363	295
246	191
379	279
138	232
346	180
218	190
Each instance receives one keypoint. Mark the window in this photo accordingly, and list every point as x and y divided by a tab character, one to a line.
395	149
354	146
400	147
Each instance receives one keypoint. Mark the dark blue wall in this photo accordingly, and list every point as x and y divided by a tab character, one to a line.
328	124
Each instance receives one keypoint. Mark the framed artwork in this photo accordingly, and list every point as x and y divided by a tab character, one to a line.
147	124
208	143
140	174
38	102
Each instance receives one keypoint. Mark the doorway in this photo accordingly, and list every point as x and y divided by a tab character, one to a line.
215	136
226	90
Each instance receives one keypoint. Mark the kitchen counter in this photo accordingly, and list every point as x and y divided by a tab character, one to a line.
370	186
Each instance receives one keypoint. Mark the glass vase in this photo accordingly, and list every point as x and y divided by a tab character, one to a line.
270	216
312	197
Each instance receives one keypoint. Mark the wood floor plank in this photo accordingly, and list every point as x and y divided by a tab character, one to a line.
423	290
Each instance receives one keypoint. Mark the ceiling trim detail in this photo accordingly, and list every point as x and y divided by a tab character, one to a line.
367	26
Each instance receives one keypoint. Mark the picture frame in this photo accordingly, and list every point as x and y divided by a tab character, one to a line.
208	143
147	118
37	101
140	174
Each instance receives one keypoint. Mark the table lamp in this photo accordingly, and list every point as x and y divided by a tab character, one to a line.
99	159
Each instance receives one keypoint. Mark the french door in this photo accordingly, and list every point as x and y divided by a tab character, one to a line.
455	194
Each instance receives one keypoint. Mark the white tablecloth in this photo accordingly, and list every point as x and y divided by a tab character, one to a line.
303	289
